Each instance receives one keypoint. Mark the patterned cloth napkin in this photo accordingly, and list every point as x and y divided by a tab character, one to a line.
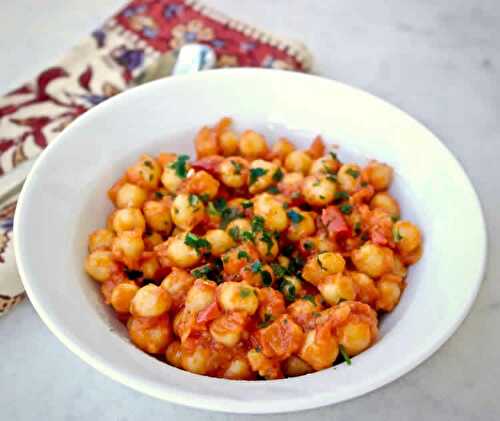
106	63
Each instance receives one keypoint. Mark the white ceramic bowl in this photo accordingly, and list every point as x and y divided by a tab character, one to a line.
64	199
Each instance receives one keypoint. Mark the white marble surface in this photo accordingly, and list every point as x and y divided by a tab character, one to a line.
439	60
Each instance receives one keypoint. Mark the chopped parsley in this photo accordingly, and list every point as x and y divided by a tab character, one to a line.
278	270
193	200
268	239
344	354
204	197
333	155
288	290
179	165
237	167
357	227
242	254
353	173
133	274
278	175
234	232
258	224
255	173
192	240
256	266
245	292
295	217
309	298
202	271
273	190
267	279
332	178
346	209
228	215
268	319
248	236
396	235
246	204
341	195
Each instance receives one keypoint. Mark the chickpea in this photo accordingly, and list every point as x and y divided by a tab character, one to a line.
242	224
319	266
229	143
318	190
206	143
302	226
122	296
291	184
183	324
128	247
233	172
262	174
303	311
130	196
324	166
373	260
385	202
267	246
378	175
128	219
239	369
236	296
399	268
157	215
252	145
150	301
226	329
282	148
100	265
389	289
267	368
200	295
337	287
355	337
320	349
271	304
298	161
151	240
170	180
187	211
177	252
145	173
349	177
220	241
407	236
275	217
101	239
152	334
291	286
294	366
197	360
202	183
173	355
281	338
177	283
150	267
236	258
367	291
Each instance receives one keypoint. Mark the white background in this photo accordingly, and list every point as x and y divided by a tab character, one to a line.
436	59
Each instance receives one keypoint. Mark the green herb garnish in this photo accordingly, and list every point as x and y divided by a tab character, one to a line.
242	254
204	197
353	173
192	240
268	319
228	215
278	270
278	175
258	224
234	232
268	239
344	354
248	236
256	266
332	178
273	190
357	227
255	173
202	271
179	165
237	167
288	290
341	195
333	155
245	292
267	279
309	298
246	204
295	217
193	200
346	209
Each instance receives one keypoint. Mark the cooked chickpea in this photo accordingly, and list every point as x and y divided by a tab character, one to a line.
407	236
239	369
295	366
200	295
145	173
252	145
241	224
220	241
229	143
282	148
275	217
128	219
233	172
130	196
389	289
174	354
298	161
373	260
302	226
399	268
303	311
170	180
151	240
128	247
318	190
236	296
291	286
150	301
178	252
226	330
238	257
281	338
378	175
367	291
267	368
355	337
122	296
150	267
262	175
206	143
267	246
157	215
177	283
324	166
100	265
187	211
349	177
291	184
101	239
271	304
319	350
197	360
319	266
337	287
385	202
202	182
150	334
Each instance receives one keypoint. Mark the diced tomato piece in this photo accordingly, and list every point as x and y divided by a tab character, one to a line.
209	164
317	148
335	223
209	313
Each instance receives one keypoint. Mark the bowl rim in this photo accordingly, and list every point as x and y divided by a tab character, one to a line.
186	398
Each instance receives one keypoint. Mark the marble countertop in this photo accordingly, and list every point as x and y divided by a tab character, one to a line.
437	60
